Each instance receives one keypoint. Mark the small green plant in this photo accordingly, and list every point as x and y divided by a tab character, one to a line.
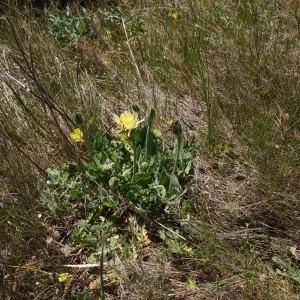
287	269
113	21
128	184
67	28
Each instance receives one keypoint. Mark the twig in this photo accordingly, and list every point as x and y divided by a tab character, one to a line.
83	266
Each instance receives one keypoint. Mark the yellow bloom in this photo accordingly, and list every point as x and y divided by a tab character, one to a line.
77	136
143	238
192	283
170	122
63	277
127	121
174	15
187	250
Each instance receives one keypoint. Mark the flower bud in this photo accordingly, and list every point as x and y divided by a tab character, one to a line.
284	119
177	129
78	118
136	108
150	116
157	133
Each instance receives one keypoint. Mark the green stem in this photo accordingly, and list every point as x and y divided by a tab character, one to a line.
177	154
177	157
134	159
102	295
147	142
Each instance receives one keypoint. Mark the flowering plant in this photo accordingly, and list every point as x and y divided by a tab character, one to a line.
128	184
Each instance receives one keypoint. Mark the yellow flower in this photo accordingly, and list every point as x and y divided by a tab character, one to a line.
187	250
170	122
174	15
77	136
143	238
63	277
127	121
192	283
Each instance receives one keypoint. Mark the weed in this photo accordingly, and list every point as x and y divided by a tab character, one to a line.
130	180
68	28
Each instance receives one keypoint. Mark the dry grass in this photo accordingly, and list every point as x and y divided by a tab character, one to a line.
229	70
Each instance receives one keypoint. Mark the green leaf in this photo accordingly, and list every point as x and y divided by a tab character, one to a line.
188	167
142	179
56	177
287	269
160	189
99	159
191	283
92	258
98	142
75	193
170	182
164	179
162	235
280	262
174	182
295	275
110	203
81	26
136	136
186	207
86	295
49	200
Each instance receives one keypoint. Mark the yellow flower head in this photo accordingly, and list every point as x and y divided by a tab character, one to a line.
174	15
63	277
127	121
187	250
170	122
77	136
143	237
